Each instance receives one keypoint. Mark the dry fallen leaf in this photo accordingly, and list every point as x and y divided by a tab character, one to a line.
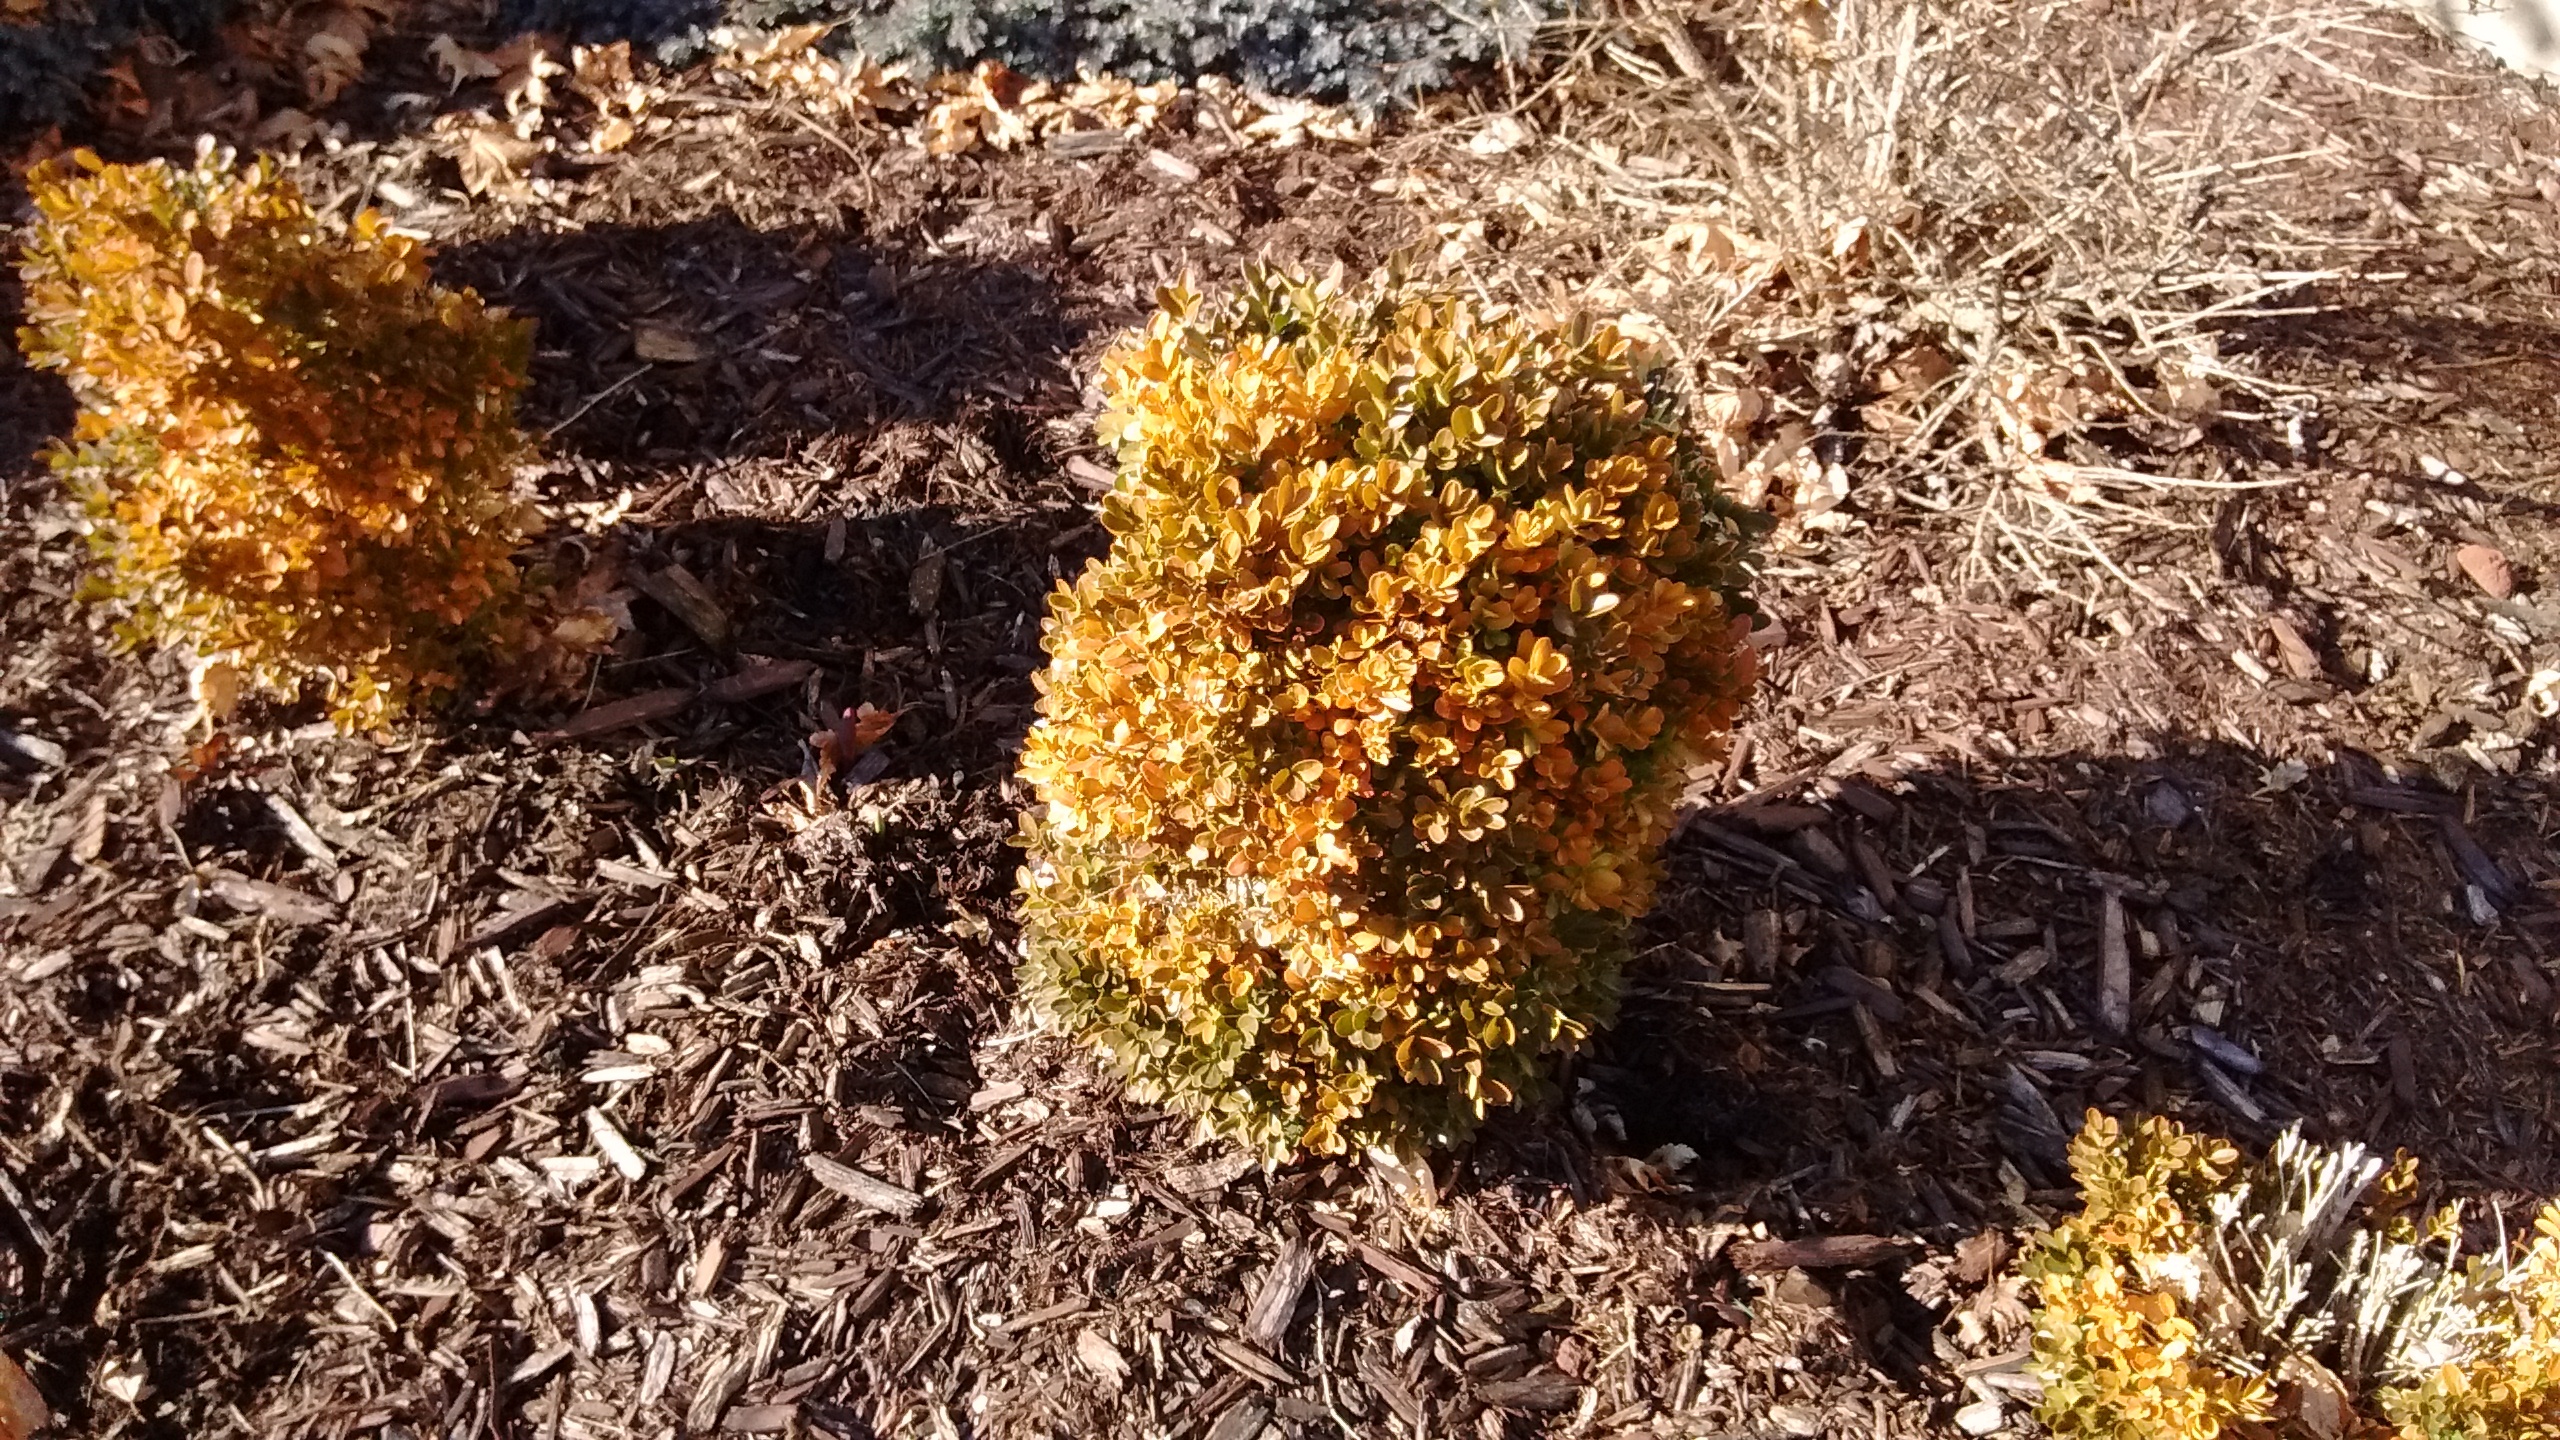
2300	660
490	155
459	64
287	129
1102	1358
525	70
216	684
2488	569
22	1409
333	55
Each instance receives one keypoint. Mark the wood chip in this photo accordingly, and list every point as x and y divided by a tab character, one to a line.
1209	1176
537	1365
1065	1309
304	838
720	1385
1245	1360
276	902
33	752
759	1419
864	1188
1092	476
665	344
1393	1390
520	914
924	582
2222	1052
2300	660
757	680
2402	800
1173	167
2404	1072
2115	967
1543	1391
685	596
616	1150
1821	1252
2226	1091
617	872
2474	863
1275	1301
1867	991
623	714
1241	1421
1101	1359
480	1088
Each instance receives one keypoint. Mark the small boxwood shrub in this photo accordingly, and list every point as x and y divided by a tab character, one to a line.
1356	752
2198	1295
1367	52
298	453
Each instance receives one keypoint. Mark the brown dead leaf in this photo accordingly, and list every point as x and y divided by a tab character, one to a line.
600	69
1979	1256
333	55
2300	660
287	129
459	64
22	1409
525	67
2487	566
859	730
491	156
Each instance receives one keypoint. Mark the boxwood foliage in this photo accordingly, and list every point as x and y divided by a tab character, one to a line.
47	67
1357	752
298	453
1367	52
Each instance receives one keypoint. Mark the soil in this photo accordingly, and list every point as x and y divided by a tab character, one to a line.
532	1074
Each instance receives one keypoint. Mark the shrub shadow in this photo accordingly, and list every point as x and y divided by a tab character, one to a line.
711	341
34	406
1874	1005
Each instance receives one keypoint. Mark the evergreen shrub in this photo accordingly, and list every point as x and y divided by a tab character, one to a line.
1367	52
298	454
1356	752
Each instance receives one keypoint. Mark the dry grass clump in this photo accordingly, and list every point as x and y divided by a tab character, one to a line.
297	453
1356	752
1987	255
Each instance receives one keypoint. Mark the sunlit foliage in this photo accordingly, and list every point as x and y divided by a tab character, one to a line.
298	454
1356	752
2196	1295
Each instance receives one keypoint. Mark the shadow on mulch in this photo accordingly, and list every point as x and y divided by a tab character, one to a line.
35	407
2369	958
710	341
2380	949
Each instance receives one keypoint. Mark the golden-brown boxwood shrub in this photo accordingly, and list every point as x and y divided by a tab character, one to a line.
298	452
1356	753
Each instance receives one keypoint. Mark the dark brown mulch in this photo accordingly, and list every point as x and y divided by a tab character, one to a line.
493	1082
